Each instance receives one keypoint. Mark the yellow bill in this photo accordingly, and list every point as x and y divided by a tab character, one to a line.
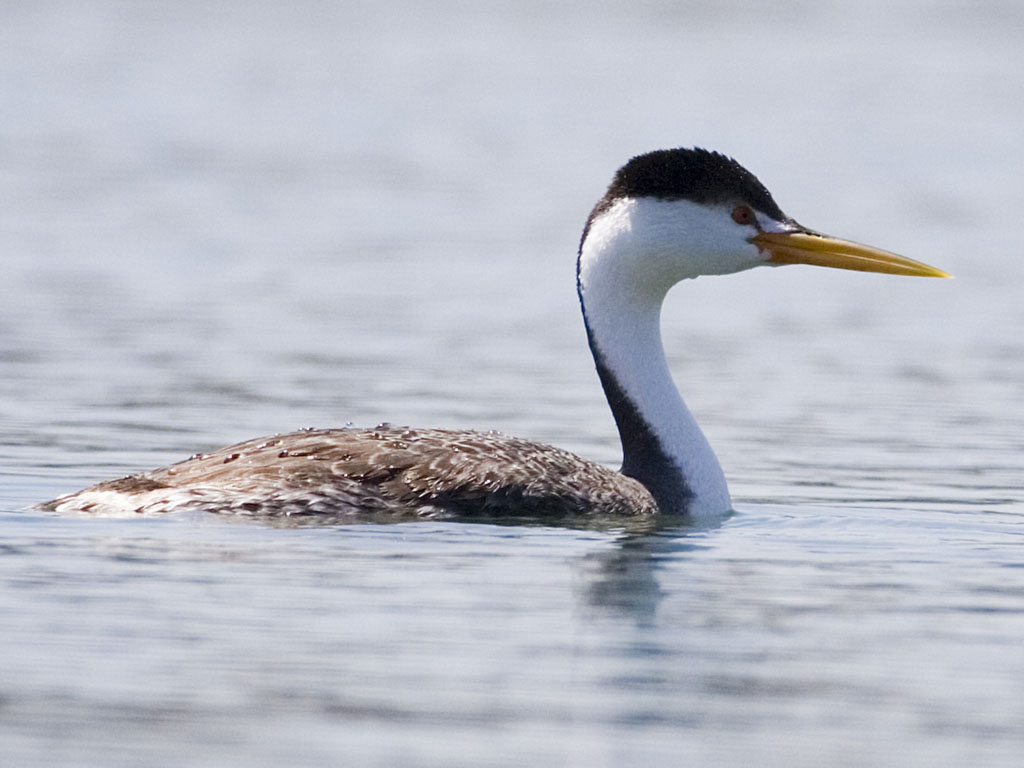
824	251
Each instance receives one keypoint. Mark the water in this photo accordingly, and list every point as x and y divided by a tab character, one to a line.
225	221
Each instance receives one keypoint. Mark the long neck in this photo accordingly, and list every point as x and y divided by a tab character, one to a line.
662	445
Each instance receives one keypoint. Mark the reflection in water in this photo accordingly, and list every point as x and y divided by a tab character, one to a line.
623	579
620	577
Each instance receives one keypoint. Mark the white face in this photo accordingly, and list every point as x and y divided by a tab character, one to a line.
660	242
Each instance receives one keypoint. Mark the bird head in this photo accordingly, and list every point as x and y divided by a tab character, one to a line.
675	214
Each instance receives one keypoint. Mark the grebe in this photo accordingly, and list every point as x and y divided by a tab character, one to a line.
667	216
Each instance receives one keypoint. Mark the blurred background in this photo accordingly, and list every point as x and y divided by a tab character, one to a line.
225	219
221	220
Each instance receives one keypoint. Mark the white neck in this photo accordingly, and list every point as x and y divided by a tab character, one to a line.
625	270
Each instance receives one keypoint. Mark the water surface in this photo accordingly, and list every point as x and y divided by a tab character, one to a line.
222	222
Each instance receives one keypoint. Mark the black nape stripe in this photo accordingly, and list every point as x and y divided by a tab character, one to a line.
643	456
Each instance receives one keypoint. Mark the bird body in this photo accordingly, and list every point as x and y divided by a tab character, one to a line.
667	216
387	470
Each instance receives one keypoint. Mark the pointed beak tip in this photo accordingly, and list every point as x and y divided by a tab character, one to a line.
824	251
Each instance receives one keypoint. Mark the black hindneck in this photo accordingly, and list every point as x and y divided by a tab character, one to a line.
644	458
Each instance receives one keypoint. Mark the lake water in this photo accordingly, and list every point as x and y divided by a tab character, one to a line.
225	220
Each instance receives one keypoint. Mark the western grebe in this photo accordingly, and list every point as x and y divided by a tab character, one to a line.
667	216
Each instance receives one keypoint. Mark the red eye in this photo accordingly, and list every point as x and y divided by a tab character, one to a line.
743	214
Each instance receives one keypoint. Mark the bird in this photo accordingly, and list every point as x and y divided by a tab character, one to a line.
667	216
